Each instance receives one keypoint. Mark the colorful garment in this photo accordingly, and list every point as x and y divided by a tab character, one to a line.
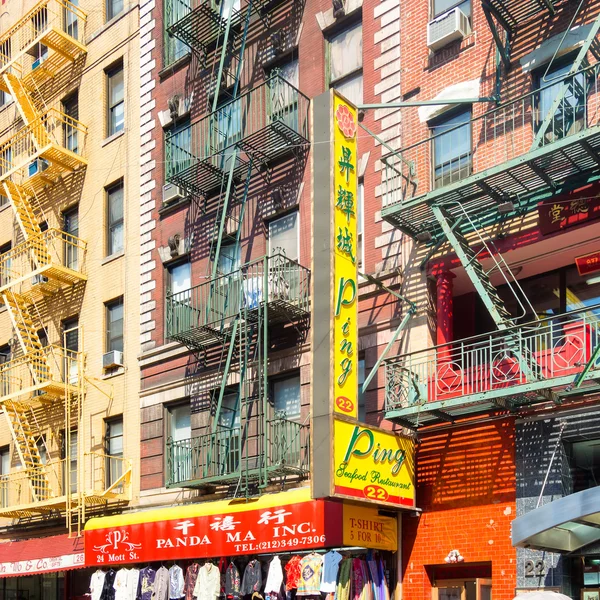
311	568
331	565
146	583
232	582
343	588
292	572
176	582
190	581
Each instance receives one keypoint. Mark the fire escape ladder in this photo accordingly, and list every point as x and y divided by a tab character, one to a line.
26	434
567	92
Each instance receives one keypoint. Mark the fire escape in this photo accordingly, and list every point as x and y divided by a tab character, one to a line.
42	385
232	314
522	154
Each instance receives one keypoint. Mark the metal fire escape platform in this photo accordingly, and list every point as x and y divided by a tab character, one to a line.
507	168
267	122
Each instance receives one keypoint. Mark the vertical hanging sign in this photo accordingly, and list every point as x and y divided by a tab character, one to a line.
345	275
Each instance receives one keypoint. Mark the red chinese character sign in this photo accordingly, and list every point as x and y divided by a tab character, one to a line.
569	210
305	525
345	310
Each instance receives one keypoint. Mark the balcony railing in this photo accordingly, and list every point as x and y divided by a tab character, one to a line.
58	24
499	161
53	371
42	150
49	260
49	485
505	368
231	453
270	120
204	313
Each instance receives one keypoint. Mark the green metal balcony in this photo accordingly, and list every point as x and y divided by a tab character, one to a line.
265	123
501	167
258	451
513	13
203	315
504	370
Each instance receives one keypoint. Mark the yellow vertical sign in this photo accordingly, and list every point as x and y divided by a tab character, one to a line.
345	280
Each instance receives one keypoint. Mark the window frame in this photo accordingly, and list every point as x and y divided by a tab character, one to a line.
172	131
355	73
108	423
110	14
111	227
279	217
70	252
112	128
110	339
273	381
174	264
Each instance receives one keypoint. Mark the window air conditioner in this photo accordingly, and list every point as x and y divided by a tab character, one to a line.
39	279
111	359
37	166
172	192
449	27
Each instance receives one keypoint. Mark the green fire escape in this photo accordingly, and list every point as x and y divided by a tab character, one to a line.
232	314
523	152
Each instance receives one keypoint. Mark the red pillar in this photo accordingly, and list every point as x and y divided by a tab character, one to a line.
445	313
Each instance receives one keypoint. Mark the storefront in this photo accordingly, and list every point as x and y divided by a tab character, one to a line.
277	545
49	568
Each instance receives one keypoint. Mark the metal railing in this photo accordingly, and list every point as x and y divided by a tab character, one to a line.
49	482
52	366
217	302
51	248
497	136
52	129
44	17
229	452
274	102
552	350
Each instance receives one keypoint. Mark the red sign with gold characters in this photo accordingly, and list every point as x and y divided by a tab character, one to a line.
569	210
590	263
304	525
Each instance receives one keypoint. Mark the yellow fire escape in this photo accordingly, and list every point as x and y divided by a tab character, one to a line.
44	382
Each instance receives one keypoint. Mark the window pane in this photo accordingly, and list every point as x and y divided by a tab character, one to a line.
5	462
289	72
116	87
442	6
115	327
346	52
114	8
181	423
582	290
115	220
115	438
286	397
180	278
230	414
452	148
229	259
352	88
283	236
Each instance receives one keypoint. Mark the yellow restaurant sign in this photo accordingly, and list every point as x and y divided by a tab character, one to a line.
345	310
372	464
365	527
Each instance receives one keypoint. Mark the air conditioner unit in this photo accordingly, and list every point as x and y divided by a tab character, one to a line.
172	192
447	28
37	166
111	359
39	279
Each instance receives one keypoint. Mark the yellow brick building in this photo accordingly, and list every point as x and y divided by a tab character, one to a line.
69	262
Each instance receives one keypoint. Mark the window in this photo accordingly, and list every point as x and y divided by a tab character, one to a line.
70	462
286	397
115	225
71	228
360	217
114	326
584	462
5	165
346	63
569	117
113	8
179	278
179	149
4	375
116	100
174	48
180	422
4	473
114	450
71	20
284	236
70	131
362	404
228	441
284	97
70	331
230	412
451	137
443	6
229	258
5	263
229	124
180	430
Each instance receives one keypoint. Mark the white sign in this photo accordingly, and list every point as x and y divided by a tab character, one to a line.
40	565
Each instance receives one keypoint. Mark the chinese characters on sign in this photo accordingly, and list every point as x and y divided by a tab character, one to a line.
569	210
345	317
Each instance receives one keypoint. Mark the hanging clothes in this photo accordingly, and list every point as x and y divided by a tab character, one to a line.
108	589
191	575
176	582
252	581
311	568
208	583
344	585
331	565
133	578
120	584
232	582
97	583
222	576
274	577
292	572
161	584
146	583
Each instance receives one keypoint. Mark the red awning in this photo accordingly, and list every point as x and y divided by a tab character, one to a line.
41	555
